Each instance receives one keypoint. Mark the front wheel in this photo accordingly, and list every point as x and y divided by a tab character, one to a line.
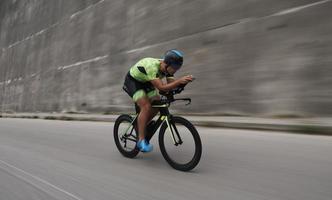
181	145
125	136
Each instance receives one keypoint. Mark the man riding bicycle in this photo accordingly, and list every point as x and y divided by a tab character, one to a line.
141	83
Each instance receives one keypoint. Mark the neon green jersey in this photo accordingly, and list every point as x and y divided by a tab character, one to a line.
146	70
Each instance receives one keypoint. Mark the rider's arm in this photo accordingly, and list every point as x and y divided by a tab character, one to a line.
170	79
157	83
169	86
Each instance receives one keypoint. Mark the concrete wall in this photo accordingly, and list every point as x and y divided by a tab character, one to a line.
262	57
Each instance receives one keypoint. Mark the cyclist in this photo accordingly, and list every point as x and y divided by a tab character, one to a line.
141	83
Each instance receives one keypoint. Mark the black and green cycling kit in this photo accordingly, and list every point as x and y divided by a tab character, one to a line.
137	82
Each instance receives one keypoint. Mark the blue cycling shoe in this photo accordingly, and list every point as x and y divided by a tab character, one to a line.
144	146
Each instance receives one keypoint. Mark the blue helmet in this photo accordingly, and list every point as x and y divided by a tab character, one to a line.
174	58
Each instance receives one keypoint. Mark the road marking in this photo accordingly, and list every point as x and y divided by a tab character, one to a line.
32	179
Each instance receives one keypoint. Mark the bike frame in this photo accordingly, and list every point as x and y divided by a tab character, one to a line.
167	123
164	117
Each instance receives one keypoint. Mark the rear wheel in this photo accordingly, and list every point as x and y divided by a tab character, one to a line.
125	136
183	151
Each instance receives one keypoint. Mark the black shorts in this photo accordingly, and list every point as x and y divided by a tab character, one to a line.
137	89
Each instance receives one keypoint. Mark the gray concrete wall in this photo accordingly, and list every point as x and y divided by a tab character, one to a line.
262	57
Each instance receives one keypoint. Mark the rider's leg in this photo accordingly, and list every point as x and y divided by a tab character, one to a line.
154	111
153	95
144	115
136	90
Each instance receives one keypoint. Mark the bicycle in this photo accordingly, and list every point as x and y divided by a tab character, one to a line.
177	127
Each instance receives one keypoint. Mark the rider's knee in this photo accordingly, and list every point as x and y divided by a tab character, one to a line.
146	107
155	98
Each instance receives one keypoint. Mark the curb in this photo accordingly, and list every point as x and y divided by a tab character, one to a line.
294	128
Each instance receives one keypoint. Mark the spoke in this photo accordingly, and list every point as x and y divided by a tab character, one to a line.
131	131
130	139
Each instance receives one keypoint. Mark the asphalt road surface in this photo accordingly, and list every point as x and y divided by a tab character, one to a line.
46	159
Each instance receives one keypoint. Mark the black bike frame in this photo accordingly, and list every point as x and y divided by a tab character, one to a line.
164	116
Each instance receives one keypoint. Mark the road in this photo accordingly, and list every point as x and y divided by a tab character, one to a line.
48	159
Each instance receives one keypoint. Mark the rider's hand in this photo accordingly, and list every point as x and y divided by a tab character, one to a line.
186	79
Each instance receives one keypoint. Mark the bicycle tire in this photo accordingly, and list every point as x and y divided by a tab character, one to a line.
121	119
198	145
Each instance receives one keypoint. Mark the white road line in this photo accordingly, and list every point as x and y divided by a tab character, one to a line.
36	178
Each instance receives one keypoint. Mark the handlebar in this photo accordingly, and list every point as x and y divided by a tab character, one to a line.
168	97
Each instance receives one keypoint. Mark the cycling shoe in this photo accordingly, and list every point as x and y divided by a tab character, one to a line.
144	146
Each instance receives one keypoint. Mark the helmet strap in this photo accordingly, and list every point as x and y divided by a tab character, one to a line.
166	72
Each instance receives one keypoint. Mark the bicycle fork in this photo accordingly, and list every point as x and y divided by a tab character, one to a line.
172	130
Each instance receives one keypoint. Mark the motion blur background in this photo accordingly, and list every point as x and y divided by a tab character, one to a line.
250	57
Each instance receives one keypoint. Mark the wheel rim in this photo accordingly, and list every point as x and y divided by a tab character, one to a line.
184	153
